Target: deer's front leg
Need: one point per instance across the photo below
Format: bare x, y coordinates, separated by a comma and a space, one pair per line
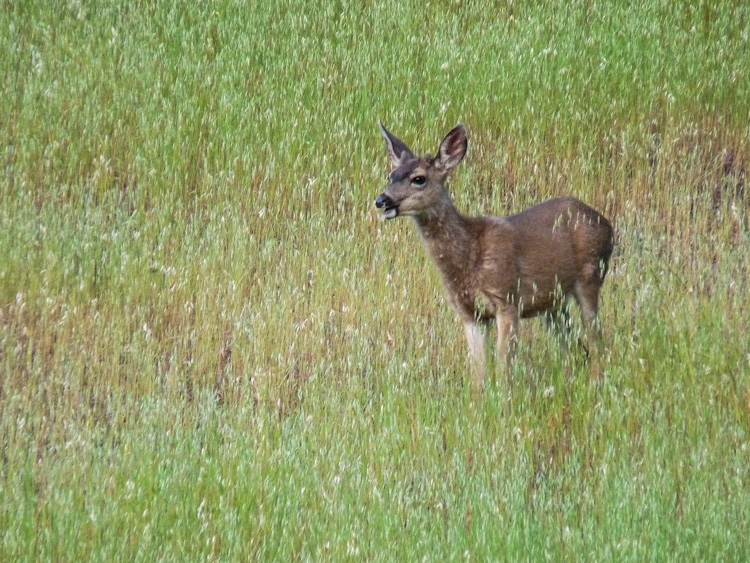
507, 335
475, 337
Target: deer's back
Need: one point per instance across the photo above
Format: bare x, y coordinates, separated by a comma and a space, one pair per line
526, 256
566, 225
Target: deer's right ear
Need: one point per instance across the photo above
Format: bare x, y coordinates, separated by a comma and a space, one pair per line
397, 149
453, 148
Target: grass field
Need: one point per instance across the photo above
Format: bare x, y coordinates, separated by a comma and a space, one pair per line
212, 349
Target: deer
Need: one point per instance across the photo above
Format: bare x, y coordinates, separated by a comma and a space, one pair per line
500, 269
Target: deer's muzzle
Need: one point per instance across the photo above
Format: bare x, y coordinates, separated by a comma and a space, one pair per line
389, 207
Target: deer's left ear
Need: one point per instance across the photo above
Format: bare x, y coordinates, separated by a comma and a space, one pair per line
397, 149
453, 148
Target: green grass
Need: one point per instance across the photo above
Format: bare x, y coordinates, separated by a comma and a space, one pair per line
210, 347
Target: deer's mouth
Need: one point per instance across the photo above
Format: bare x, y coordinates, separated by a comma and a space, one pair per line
389, 207
389, 213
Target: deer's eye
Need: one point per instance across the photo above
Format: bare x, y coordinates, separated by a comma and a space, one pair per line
419, 180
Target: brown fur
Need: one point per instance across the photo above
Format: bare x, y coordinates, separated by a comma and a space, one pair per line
501, 268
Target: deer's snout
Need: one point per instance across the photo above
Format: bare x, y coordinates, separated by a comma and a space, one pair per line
383, 201
389, 207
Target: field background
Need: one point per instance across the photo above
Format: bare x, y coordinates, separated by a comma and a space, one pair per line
211, 348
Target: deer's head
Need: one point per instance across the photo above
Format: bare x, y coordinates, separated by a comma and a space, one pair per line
417, 182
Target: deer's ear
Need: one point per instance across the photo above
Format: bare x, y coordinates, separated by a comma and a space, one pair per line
397, 149
453, 148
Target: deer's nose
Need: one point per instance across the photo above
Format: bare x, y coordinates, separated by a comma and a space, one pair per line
383, 201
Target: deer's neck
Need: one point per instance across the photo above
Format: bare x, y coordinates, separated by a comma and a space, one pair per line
447, 238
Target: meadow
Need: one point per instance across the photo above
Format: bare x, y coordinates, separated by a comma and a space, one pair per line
212, 349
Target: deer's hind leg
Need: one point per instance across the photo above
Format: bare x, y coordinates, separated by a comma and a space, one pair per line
587, 295
558, 324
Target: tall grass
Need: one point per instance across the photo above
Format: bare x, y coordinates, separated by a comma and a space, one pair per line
211, 348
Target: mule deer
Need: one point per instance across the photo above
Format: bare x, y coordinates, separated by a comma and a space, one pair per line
501, 268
